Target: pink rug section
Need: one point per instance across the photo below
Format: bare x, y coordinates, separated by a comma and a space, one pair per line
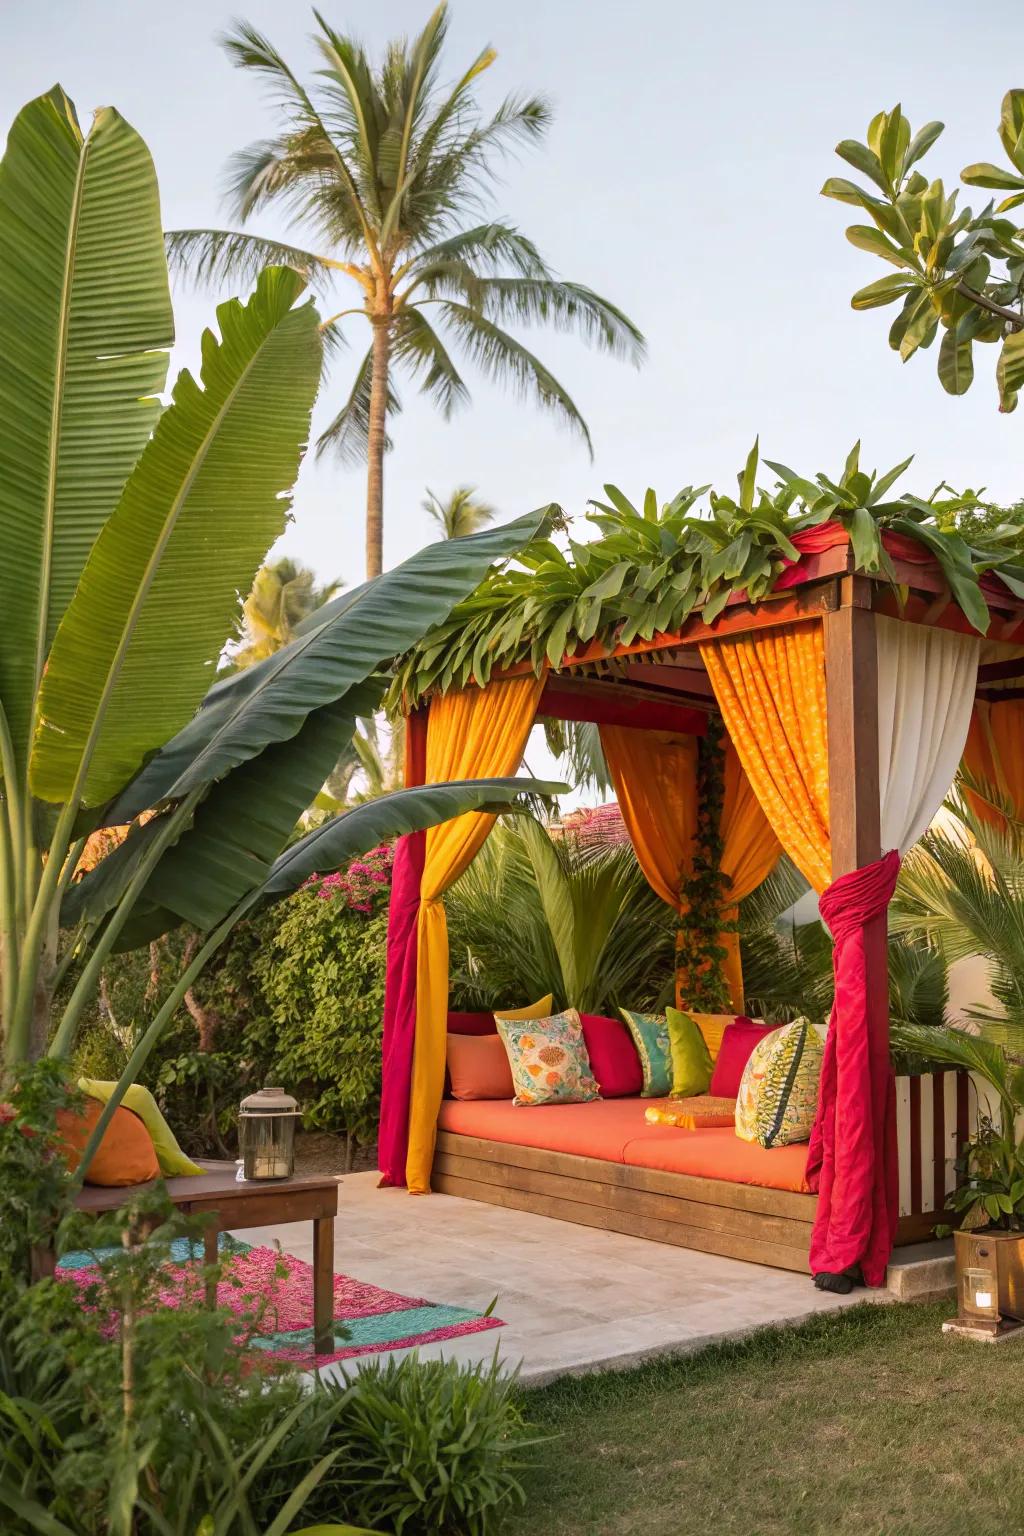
379, 1320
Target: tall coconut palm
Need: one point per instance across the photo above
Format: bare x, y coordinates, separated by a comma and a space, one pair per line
283, 594
383, 168
463, 512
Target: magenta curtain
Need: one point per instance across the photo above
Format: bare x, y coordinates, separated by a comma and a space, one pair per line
852, 1159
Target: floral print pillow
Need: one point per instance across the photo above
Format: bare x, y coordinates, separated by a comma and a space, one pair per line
549, 1059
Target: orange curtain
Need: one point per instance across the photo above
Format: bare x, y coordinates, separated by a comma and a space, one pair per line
480, 733
654, 774
995, 753
655, 778
770, 687
749, 854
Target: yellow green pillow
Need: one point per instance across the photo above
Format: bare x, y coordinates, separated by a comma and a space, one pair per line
541, 1010
173, 1161
691, 1059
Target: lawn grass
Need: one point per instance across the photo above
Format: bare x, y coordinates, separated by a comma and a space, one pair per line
864, 1421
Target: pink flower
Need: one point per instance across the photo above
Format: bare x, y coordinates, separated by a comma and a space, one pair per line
7, 1113
28, 1131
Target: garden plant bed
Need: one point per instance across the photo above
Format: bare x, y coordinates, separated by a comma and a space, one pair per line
848, 1423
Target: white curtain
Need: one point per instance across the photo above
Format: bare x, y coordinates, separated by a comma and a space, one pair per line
926, 683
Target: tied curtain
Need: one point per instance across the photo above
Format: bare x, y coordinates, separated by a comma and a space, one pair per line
473, 734
655, 778
771, 688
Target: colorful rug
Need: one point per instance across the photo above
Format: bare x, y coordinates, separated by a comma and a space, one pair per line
368, 1320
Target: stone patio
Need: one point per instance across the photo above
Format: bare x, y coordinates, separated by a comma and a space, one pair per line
573, 1298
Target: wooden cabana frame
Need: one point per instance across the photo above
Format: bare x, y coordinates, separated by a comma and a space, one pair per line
663, 683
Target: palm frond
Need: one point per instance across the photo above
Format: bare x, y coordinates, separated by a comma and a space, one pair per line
577, 746
507, 361
295, 168
565, 307
348, 434
488, 248
216, 257
415, 343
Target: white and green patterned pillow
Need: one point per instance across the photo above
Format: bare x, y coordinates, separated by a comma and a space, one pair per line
778, 1096
549, 1059
653, 1046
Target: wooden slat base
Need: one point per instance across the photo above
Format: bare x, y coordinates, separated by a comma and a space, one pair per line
739, 1221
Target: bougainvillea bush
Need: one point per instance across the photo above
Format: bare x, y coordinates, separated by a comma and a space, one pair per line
297, 994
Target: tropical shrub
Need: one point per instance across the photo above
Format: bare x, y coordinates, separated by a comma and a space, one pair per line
34, 1181
535, 914
425, 1449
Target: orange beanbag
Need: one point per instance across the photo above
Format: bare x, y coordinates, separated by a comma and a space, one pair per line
126, 1154
478, 1067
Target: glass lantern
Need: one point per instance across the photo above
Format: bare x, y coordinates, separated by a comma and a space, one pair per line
979, 1295
266, 1134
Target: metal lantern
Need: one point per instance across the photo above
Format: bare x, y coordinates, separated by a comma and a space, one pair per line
990, 1284
266, 1133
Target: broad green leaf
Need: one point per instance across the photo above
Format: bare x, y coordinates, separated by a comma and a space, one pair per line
863, 159
1010, 370
844, 191
136, 647
338, 647
884, 290
921, 143
984, 174
748, 478
886, 481
331, 846
867, 238
921, 328
866, 540
85, 321
956, 363
556, 902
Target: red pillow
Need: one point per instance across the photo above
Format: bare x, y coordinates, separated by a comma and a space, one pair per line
472, 1024
478, 1067
613, 1057
736, 1049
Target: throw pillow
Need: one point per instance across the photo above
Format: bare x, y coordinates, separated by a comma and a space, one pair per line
478, 1067
124, 1156
548, 1059
538, 1010
472, 1024
738, 1041
712, 1026
173, 1161
778, 1096
650, 1036
691, 1059
613, 1058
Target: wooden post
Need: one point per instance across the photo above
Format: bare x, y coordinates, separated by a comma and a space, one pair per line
851, 674
323, 1285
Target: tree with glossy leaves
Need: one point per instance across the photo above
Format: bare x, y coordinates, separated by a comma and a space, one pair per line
383, 168
460, 513
958, 273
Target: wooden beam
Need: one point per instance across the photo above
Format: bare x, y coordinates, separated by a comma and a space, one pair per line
851, 674
996, 671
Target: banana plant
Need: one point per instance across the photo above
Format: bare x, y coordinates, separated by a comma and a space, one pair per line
954, 270
127, 531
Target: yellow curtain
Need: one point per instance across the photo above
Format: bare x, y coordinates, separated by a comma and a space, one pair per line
654, 774
750, 852
995, 752
479, 733
770, 687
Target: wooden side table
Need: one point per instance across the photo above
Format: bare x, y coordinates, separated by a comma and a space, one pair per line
216, 1193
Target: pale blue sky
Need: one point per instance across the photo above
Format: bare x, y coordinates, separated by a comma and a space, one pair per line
680, 178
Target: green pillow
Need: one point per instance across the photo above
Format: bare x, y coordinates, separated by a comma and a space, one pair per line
650, 1036
174, 1163
691, 1059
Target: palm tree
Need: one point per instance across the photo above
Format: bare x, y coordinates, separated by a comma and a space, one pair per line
383, 168
283, 594
462, 513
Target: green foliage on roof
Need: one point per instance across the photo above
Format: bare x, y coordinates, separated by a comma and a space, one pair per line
650, 567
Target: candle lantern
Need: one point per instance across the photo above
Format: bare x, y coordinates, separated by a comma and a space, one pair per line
266, 1133
989, 1284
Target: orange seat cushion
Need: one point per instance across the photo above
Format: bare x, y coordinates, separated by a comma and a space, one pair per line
478, 1067
125, 1155
615, 1131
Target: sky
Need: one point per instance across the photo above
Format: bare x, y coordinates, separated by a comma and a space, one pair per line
680, 179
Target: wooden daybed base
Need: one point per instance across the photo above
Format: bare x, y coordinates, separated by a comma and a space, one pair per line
740, 1221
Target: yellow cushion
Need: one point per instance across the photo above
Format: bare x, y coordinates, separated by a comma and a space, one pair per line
541, 1010
712, 1026
173, 1161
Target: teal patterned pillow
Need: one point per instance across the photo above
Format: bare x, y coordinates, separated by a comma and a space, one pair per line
650, 1036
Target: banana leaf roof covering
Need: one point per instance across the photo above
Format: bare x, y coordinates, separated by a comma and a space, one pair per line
651, 568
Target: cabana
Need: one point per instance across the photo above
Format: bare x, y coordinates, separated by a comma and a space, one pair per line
847, 701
